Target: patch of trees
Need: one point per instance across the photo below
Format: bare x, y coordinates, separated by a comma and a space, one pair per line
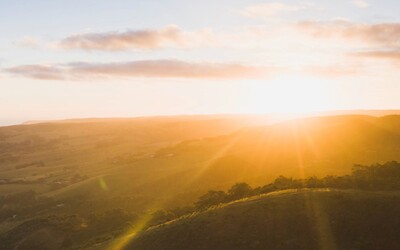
374, 177
237, 191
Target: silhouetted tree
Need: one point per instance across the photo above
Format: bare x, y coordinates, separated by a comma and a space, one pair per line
285, 183
211, 198
239, 190
161, 216
313, 182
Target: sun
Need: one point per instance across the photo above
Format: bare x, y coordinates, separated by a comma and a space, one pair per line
295, 94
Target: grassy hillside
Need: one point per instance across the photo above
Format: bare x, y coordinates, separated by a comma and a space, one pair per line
300, 148
49, 156
97, 161
91, 167
63, 159
71, 177
298, 219
119, 229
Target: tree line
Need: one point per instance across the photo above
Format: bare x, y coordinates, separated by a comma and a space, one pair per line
373, 177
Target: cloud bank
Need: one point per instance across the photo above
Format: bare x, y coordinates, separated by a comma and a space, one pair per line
383, 34
391, 55
140, 69
146, 39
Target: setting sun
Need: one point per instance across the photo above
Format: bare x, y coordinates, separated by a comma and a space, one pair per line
254, 57
288, 94
193, 125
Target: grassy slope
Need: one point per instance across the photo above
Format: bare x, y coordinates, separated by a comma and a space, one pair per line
129, 165
121, 150
314, 146
306, 219
94, 148
127, 157
106, 151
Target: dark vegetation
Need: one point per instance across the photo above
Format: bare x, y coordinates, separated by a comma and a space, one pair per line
356, 211
375, 177
93, 228
298, 219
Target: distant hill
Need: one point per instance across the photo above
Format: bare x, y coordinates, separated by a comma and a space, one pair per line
307, 219
259, 118
95, 147
195, 153
369, 112
300, 148
173, 118
311, 146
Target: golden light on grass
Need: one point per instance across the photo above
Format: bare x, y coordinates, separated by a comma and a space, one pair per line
319, 220
103, 184
315, 212
130, 235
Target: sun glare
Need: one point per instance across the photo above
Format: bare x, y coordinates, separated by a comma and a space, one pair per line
295, 94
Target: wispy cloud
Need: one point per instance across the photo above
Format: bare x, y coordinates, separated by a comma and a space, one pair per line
392, 55
80, 71
44, 72
28, 42
145, 39
307, 33
360, 3
141, 69
384, 34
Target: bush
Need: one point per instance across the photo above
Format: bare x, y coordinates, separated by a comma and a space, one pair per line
211, 198
239, 190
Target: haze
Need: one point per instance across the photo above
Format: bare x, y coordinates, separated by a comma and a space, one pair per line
192, 125
69, 59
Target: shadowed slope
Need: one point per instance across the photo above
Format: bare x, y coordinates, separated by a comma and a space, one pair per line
308, 219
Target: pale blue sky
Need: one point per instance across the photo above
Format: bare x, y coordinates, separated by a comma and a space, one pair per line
32, 32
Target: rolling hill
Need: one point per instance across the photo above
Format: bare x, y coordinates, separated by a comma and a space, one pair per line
43, 155
313, 146
139, 159
60, 178
293, 219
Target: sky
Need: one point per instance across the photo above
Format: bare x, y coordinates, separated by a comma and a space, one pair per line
73, 59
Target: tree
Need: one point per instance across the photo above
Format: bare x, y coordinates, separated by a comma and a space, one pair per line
285, 183
313, 182
239, 191
161, 216
211, 198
